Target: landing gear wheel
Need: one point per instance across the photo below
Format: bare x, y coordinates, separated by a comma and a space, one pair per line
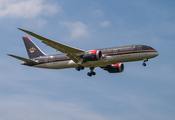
79, 68
144, 60
89, 74
144, 64
93, 73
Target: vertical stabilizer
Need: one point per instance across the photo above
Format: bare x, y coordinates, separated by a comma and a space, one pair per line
32, 50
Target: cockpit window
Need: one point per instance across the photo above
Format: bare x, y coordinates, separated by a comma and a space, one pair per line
150, 48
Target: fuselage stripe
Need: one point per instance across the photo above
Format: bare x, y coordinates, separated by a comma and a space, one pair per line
105, 54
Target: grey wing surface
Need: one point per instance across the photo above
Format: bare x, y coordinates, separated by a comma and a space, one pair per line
71, 52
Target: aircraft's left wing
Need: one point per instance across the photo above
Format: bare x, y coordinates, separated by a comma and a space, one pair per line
72, 53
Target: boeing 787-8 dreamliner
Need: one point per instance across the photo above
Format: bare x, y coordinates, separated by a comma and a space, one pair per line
109, 59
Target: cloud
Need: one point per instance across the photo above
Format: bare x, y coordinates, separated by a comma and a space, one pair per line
77, 29
33, 23
26, 8
105, 24
97, 13
22, 107
41, 22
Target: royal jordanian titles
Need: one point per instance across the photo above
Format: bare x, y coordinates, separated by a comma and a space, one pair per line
109, 59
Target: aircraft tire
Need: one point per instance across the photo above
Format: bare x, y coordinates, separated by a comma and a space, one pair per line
89, 74
78, 68
93, 73
144, 64
81, 67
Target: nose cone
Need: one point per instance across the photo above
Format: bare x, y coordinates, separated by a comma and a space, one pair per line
156, 53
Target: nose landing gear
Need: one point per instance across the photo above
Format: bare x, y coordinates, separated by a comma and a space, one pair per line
144, 60
144, 64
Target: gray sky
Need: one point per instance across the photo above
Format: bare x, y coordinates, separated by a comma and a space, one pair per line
138, 93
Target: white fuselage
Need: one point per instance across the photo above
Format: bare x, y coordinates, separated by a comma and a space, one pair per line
106, 60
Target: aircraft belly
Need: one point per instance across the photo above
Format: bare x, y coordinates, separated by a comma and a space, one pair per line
103, 62
56, 65
95, 63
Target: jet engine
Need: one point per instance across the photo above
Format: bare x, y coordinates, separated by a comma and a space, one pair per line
92, 55
115, 68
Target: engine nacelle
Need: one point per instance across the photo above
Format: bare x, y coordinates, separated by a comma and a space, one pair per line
115, 68
92, 55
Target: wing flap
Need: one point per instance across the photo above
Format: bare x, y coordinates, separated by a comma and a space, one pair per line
21, 58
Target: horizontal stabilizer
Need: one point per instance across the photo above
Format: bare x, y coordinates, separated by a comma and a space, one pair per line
21, 58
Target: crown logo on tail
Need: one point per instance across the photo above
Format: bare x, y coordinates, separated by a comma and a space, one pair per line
32, 50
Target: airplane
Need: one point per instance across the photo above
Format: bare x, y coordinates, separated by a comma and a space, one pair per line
109, 59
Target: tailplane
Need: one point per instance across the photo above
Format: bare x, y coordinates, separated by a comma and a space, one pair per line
32, 49
21, 58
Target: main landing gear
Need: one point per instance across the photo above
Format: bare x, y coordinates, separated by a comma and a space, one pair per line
91, 72
144, 60
79, 68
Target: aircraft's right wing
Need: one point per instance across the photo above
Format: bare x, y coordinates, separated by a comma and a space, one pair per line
72, 53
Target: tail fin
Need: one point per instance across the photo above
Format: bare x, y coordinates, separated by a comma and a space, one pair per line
32, 50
